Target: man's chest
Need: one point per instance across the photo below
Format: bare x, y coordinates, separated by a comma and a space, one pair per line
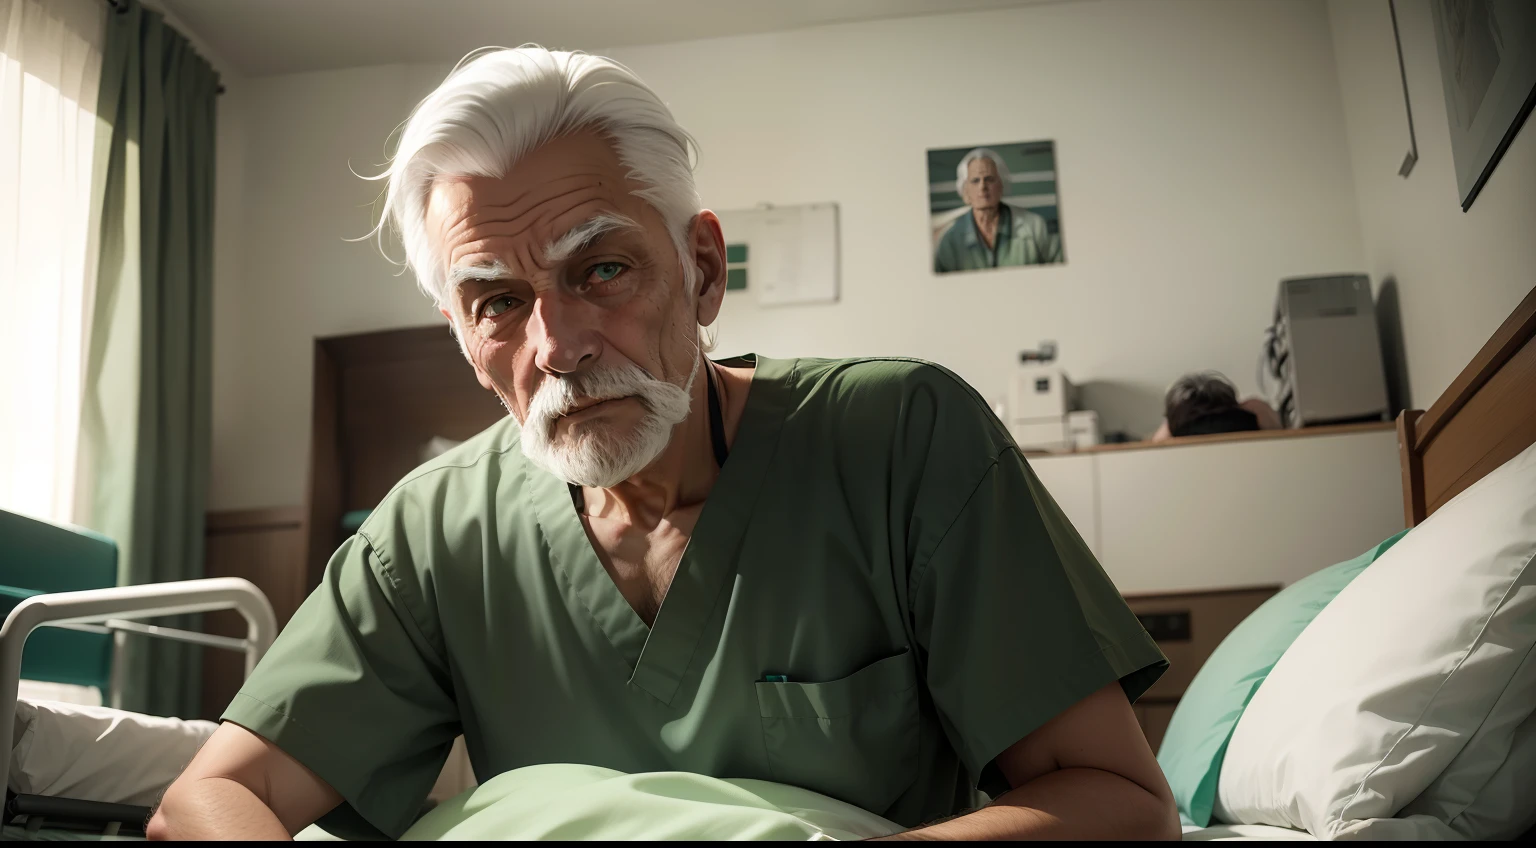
798, 672
642, 561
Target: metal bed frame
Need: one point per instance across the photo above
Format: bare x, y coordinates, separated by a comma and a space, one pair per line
116, 611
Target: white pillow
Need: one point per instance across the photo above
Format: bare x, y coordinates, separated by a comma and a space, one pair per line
100, 754
1460, 806
1421, 667
1501, 807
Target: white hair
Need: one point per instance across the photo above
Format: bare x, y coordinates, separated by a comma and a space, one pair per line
962, 171
500, 104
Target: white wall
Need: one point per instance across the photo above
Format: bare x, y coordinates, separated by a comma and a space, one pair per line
1201, 157
1458, 275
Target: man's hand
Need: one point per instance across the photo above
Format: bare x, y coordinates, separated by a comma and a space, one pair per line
1088, 773
240, 786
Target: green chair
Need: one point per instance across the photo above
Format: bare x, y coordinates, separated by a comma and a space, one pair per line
38, 558
68, 637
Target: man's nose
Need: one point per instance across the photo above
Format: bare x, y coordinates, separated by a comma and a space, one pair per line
562, 334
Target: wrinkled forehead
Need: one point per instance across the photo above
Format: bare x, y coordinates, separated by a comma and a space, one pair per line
546, 194
981, 166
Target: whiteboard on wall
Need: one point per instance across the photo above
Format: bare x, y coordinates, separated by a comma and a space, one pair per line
791, 252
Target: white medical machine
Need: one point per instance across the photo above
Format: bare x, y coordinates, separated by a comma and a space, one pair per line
1041, 400
1325, 352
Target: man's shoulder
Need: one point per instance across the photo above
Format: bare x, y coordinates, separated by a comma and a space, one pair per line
488, 447
954, 231
954, 238
458, 484
895, 376
896, 393
1025, 220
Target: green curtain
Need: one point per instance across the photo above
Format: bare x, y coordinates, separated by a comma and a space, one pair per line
148, 386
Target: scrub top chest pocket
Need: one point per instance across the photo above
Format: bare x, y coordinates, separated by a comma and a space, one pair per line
854, 738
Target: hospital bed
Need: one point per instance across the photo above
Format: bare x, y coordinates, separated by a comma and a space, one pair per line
1486, 418
112, 611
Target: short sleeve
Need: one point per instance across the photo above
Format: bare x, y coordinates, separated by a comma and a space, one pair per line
355, 692
1017, 622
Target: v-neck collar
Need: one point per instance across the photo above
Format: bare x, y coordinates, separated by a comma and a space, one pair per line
658, 656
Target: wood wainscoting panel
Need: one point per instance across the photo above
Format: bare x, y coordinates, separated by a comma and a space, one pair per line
268, 548
1205, 618
1154, 718
1187, 626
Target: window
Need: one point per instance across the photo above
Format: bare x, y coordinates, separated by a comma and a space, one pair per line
50, 70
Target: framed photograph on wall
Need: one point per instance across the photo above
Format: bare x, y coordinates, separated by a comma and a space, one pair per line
1488, 66
994, 206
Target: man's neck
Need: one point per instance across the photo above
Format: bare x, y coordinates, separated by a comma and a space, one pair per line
684, 473
986, 223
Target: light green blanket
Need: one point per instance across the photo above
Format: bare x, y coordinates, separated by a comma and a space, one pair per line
588, 802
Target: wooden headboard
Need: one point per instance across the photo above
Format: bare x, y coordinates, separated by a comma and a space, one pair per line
1487, 416
378, 398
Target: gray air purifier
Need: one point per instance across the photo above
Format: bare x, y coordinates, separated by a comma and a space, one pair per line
1324, 351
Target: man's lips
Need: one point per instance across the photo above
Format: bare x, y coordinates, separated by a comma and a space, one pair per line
589, 404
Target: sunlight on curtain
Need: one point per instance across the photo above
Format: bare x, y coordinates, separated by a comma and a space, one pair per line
50, 71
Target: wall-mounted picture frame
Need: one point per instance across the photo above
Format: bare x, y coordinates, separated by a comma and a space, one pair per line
1488, 67
782, 255
994, 206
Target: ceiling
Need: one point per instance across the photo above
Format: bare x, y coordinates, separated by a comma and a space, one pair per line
286, 36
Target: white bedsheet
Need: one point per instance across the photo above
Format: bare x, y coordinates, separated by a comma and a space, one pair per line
1245, 833
64, 693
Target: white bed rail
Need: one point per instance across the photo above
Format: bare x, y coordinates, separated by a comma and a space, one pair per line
114, 610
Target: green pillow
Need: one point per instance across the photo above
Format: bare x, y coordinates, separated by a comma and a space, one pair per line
1197, 736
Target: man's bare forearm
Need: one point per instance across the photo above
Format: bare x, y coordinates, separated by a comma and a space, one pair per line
1077, 803
214, 808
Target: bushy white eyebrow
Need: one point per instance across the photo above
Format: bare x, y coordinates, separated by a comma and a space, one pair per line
485, 271
584, 234
562, 248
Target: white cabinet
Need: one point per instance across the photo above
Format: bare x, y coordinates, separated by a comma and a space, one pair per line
1230, 513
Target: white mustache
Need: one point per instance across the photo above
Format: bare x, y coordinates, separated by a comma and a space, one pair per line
560, 395
602, 458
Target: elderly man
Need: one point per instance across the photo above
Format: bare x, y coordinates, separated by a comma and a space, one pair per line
834, 574
994, 234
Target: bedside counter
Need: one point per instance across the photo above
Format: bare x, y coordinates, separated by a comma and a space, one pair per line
1187, 626
1235, 509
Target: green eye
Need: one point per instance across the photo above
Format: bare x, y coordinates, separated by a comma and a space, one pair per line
606, 271
498, 304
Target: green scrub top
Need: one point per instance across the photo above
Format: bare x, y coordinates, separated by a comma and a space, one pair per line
879, 597
1023, 238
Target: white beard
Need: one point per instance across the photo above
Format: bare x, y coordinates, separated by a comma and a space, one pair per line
602, 455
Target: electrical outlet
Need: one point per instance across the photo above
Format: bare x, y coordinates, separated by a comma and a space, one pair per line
1166, 626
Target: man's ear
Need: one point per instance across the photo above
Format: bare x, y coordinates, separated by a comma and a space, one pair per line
707, 243
453, 328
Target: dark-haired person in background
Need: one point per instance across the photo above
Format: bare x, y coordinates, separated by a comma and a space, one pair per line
1206, 402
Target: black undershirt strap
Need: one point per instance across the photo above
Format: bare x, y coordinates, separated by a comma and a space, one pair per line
716, 436
716, 419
